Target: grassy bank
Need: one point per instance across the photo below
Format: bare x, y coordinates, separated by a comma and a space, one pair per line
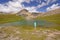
52, 18
5, 18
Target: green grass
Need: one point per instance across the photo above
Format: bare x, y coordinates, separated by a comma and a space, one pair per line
5, 18
26, 28
52, 18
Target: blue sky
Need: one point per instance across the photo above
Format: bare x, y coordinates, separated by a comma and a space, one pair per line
31, 5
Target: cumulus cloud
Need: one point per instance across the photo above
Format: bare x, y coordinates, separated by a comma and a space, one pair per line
41, 5
11, 6
34, 8
50, 1
28, 1
15, 6
31, 9
4, 8
53, 7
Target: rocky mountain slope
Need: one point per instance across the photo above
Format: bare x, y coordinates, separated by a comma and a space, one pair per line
26, 13
56, 11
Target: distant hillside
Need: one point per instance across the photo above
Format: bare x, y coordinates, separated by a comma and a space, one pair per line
28, 15
56, 11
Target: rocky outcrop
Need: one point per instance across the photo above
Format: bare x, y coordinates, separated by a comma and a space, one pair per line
17, 33
28, 15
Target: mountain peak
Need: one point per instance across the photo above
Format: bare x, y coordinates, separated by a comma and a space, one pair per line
24, 10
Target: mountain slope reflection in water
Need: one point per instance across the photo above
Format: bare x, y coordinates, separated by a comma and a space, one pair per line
41, 23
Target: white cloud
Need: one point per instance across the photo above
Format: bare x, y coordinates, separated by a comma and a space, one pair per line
4, 8
53, 7
50, 1
12, 6
28, 1
41, 5
54, 0
15, 6
31, 9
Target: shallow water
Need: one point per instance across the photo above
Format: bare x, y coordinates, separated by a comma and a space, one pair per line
41, 23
